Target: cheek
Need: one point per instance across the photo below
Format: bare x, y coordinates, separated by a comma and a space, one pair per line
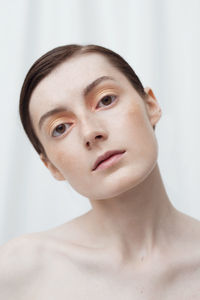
136, 114
72, 166
142, 135
137, 134
138, 122
75, 170
131, 121
67, 162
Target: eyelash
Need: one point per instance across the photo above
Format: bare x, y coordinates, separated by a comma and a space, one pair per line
69, 123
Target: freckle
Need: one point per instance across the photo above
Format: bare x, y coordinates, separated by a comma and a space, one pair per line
142, 258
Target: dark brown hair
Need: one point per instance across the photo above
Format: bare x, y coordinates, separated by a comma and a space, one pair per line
47, 62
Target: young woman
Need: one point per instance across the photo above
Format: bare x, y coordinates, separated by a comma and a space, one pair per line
93, 124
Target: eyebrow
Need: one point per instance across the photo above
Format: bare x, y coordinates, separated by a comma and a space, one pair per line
86, 91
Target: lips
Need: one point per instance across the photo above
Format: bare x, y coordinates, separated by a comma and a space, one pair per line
105, 156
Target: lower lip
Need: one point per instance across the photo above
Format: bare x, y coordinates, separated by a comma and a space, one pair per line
109, 162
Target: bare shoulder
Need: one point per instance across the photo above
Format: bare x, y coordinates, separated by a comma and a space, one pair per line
18, 250
28, 252
25, 256
185, 249
30, 261
191, 227
188, 239
20, 263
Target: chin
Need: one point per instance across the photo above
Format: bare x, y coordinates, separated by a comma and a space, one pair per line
123, 181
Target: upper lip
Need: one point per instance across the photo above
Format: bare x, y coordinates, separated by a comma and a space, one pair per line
105, 156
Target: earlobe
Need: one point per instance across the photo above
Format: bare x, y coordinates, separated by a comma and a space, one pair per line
152, 106
54, 171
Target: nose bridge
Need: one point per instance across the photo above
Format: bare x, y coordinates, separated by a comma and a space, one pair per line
89, 123
91, 128
89, 120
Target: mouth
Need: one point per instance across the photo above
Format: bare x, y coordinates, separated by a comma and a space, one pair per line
107, 159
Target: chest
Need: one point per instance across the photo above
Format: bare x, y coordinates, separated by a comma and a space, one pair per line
66, 281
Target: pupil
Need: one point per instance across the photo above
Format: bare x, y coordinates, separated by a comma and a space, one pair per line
60, 128
108, 100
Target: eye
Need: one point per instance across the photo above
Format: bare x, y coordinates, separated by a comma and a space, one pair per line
59, 130
108, 100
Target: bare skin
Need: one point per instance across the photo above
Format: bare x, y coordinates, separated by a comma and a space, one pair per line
57, 264
133, 244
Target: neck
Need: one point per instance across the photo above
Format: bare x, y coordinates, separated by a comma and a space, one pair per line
137, 221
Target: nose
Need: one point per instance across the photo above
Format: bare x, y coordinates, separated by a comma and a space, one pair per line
94, 138
93, 132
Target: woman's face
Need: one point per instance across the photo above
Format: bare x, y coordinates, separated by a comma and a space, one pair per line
85, 123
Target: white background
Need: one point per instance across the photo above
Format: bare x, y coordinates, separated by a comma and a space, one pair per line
159, 39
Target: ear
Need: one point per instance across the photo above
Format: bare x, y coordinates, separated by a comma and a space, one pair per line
54, 171
152, 107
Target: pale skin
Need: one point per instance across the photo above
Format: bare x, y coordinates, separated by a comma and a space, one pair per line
133, 244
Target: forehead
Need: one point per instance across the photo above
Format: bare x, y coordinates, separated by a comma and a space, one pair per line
75, 73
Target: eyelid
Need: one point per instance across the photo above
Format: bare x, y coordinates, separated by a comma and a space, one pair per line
54, 124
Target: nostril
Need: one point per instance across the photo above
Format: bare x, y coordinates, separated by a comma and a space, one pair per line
98, 136
88, 143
